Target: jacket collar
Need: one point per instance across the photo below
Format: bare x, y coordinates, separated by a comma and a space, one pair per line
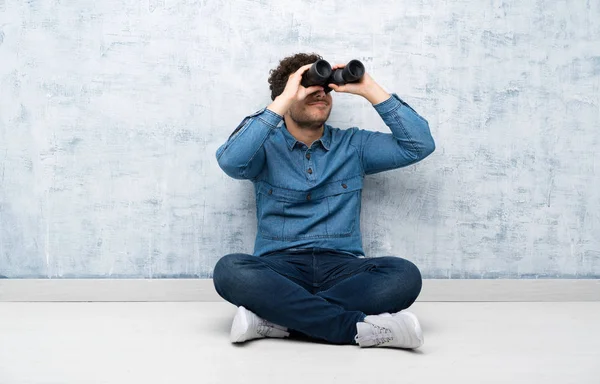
291, 140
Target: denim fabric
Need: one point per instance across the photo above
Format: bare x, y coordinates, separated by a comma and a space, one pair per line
317, 293
311, 197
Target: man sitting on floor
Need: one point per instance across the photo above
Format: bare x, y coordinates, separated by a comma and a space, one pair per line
308, 275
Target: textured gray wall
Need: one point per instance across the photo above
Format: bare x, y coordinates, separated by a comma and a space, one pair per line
111, 112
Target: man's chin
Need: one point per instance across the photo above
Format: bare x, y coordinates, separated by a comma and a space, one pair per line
311, 124
321, 117
318, 121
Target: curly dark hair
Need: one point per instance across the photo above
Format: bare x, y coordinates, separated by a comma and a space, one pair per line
287, 66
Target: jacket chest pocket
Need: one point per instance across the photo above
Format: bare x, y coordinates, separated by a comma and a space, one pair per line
332, 210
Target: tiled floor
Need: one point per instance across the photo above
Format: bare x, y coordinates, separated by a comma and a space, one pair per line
79, 343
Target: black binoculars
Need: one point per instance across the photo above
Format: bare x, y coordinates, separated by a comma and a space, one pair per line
320, 73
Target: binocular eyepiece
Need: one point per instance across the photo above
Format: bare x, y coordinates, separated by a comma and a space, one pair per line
320, 73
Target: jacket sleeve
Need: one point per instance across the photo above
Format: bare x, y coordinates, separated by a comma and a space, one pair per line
409, 142
243, 155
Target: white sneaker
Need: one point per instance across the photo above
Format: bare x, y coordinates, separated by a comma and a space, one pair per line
247, 326
400, 330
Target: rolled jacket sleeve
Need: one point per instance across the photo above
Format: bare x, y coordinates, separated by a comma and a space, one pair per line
243, 155
409, 142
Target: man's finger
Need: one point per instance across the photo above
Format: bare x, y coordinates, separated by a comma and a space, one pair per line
313, 89
303, 69
336, 88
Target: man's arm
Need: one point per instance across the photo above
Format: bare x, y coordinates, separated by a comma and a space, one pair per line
243, 155
410, 140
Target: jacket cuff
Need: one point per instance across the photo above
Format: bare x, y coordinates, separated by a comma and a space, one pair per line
269, 117
388, 105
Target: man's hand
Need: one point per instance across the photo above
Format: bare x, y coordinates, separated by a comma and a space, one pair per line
366, 87
293, 92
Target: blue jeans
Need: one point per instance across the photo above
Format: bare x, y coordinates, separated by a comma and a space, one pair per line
317, 293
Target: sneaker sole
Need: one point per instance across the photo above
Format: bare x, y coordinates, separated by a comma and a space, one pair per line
239, 327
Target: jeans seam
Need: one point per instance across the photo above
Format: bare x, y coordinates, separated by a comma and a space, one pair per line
315, 271
279, 272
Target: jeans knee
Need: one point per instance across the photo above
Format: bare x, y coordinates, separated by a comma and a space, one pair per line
226, 272
412, 276
407, 282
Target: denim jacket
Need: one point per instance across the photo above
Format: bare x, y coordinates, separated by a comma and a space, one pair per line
311, 197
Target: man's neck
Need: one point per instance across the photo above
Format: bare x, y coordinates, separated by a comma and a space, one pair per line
304, 133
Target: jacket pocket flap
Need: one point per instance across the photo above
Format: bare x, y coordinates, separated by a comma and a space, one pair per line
331, 189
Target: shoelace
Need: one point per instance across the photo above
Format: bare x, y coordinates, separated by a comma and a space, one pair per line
264, 328
381, 335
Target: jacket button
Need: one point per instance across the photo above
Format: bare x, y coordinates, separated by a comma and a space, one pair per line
309, 171
308, 197
270, 191
308, 156
344, 186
